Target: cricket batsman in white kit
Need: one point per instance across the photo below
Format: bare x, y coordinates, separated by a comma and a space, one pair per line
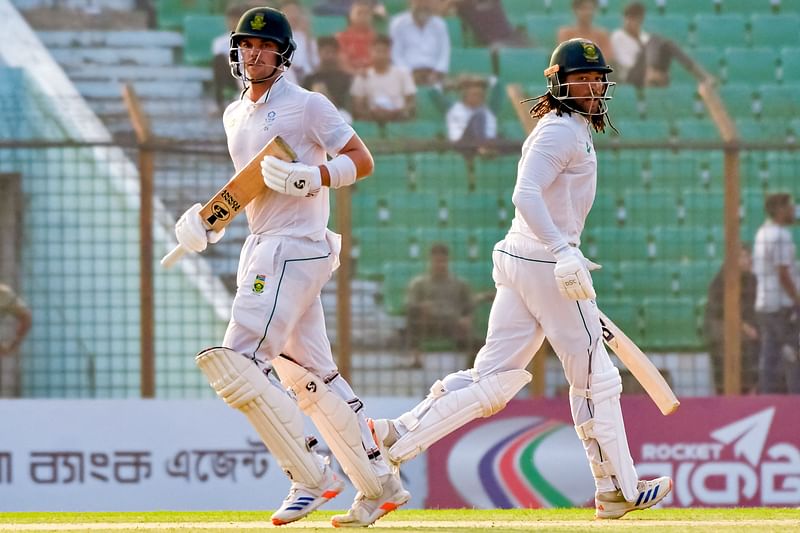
544, 289
277, 319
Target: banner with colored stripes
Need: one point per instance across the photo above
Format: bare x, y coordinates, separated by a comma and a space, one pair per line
719, 451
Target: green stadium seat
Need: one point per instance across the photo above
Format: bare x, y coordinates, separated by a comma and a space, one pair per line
625, 103
415, 129
471, 60
440, 173
624, 311
512, 129
477, 273
790, 63
703, 208
474, 210
695, 276
674, 101
322, 25
779, 101
775, 30
522, 64
740, 99
608, 21
379, 245
783, 170
396, 277
787, 6
644, 130
519, 9
701, 242
495, 174
456, 32
393, 7
391, 175
677, 170
671, 324
747, 7
720, 30
459, 240
653, 208
430, 104
710, 57
692, 129
199, 31
367, 129
542, 29
487, 238
689, 7
414, 209
756, 130
613, 243
605, 209
755, 64
620, 170
640, 279
170, 13
674, 26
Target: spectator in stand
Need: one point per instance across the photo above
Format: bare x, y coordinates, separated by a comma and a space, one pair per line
225, 85
714, 324
439, 306
420, 42
356, 41
488, 22
15, 320
471, 125
343, 7
777, 298
584, 28
306, 57
330, 79
385, 92
643, 59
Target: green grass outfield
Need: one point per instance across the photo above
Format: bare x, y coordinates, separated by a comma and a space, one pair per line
440, 521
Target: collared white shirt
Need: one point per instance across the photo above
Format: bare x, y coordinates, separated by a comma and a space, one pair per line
417, 47
556, 181
626, 49
385, 90
313, 127
773, 247
458, 117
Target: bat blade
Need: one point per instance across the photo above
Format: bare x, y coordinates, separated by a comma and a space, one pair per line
231, 199
640, 366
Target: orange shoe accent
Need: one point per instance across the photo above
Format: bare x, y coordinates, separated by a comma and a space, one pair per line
389, 506
330, 494
278, 522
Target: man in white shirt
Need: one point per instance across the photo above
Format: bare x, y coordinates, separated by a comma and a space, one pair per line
420, 42
544, 289
471, 125
777, 298
277, 321
385, 92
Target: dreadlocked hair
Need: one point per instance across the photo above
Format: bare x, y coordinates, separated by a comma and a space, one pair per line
547, 102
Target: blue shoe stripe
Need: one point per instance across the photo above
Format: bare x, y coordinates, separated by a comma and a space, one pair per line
655, 491
305, 499
641, 495
647, 498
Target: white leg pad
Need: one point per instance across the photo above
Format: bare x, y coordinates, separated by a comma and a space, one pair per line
335, 420
608, 429
272, 412
449, 410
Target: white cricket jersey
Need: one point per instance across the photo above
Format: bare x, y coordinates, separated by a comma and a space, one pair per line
556, 181
773, 247
312, 126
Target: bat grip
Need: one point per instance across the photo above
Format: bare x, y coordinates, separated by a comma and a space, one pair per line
171, 258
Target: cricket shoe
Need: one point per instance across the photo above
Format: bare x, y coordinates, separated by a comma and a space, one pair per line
612, 504
384, 434
365, 511
302, 499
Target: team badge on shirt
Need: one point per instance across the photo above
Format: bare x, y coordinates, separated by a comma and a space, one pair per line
258, 284
271, 116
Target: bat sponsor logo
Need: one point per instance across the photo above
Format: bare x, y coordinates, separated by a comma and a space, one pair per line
231, 201
218, 212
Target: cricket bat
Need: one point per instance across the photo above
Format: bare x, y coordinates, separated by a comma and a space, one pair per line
640, 366
231, 199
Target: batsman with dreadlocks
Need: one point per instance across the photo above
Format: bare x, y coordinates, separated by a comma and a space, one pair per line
277, 320
544, 289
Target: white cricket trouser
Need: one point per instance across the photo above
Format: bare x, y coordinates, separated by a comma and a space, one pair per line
277, 307
527, 308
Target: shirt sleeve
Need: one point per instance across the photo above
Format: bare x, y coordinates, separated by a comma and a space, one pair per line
396, 34
784, 248
443, 61
325, 125
491, 125
546, 157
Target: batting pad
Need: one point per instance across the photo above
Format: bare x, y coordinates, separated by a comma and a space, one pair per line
449, 410
335, 420
275, 416
608, 429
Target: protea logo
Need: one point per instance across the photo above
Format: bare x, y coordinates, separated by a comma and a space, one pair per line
527, 462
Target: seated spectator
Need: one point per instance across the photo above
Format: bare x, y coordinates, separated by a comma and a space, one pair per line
15, 320
356, 41
305, 59
584, 27
714, 325
330, 79
471, 125
385, 92
420, 42
488, 22
225, 86
439, 306
644, 59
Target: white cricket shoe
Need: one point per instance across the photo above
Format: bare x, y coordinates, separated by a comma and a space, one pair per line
365, 511
384, 434
613, 504
302, 499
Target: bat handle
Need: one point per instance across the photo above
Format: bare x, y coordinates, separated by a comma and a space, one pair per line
171, 258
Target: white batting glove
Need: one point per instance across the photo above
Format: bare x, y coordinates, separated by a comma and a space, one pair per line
192, 234
294, 179
572, 274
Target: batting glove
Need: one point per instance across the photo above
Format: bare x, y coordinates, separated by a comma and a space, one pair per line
572, 274
192, 234
294, 179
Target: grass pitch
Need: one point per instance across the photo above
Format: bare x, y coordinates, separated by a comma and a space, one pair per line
439, 521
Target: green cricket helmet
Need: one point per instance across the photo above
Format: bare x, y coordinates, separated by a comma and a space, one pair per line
265, 23
576, 55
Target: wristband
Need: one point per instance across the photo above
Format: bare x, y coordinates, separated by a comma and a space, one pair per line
342, 170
